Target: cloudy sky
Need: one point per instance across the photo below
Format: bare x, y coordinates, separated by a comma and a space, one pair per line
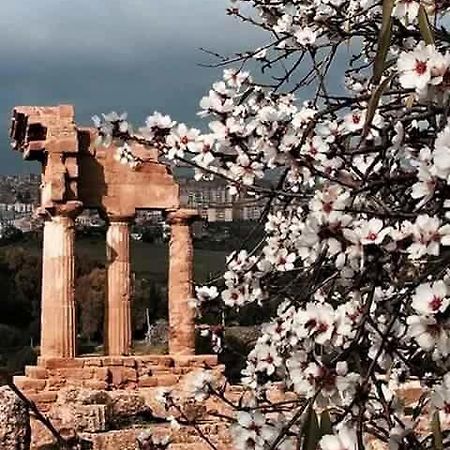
102, 55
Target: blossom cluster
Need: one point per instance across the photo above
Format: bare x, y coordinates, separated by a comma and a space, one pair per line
354, 253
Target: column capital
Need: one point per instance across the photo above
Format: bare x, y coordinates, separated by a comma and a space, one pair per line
182, 216
116, 217
70, 209
119, 218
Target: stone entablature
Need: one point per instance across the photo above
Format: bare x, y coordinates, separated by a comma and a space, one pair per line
75, 168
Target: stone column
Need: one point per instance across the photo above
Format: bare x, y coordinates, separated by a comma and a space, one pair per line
181, 314
58, 324
118, 307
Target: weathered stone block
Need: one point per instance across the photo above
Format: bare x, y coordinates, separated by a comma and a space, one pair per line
67, 144
182, 370
122, 375
112, 361
196, 360
161, 370
143, 371
56, 383
29, 384
43, 397
101, 374
88, 362
90, 418
127, 408
15, 432
129, 362
71, 164
96, 384
167, 380
147, 381
36, 372
130, 374
115, 439
60, 363
75, 374
156, 360
116, 376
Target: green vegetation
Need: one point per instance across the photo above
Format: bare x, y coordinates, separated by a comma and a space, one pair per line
147, 259
20, 284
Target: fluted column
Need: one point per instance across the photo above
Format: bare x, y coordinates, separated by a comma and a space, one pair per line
118, 308
181, 314
58, 323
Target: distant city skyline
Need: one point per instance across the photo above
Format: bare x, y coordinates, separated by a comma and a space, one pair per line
132, 55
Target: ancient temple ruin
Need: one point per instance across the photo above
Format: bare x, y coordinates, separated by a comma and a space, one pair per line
77, 174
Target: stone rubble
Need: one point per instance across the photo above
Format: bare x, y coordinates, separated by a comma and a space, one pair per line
15, 432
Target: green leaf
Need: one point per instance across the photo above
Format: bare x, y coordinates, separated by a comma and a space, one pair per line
438, 441
384, 41
425, 26
410, 100
373, 105
325, 424
310, 431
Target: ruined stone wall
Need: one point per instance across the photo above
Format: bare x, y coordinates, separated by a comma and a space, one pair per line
108, 401
41, 383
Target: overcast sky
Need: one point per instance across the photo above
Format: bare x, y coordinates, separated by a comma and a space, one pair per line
102, 55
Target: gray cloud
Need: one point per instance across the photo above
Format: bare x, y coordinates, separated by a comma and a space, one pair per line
135, 55
116, 28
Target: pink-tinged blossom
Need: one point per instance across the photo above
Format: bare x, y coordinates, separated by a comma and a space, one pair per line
216, 103
329, 131
206, 293
316, 148
283, 260
331, 199
431, 298
268, 359
199, 383
245, 169
180, 140
204, 148
234, 297
430, 334
428, 235
303, 116
316, 322
415, 66
373, 232
355, 121
252, 431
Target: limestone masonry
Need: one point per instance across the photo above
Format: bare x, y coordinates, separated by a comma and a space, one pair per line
77, 174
